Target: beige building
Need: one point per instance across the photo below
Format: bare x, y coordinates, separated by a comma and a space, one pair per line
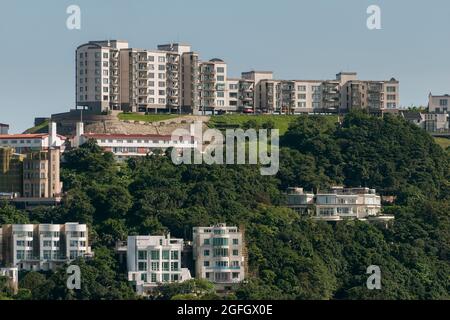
112, 76
41, 175
219, 254
343, 94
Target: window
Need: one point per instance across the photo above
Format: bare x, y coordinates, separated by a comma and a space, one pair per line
174, 277
142, 255
206, 253
302, 96
174, 266
20, 254
155, 266
144, 277
235, 252
443, 102
220, 69
166, 277
220, 94
301, 88
165, 254
161, 59
155, 255
220, 252
142, 266
220, 78
153, 277
235, 242
174, 255
47, 254
206, 263
220, 241
105, 55
161, 67
206, 242
47, 243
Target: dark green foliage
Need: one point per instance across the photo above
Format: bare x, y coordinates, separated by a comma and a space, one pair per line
290, 257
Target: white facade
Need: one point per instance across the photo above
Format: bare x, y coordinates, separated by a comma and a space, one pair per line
124, 146
439, 104
219, 254
153, 260
23, 143
43, 246
12, 274
336, 204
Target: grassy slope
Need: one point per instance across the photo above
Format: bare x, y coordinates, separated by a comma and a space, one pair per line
146, 117
281, 121
443, 142
42, 128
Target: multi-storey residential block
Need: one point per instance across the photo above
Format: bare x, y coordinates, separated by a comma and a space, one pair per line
23, 143
43, 246
112, 76
4, 128
213, 89
338, 203
343, 94
153, 260
439, 104
219, 254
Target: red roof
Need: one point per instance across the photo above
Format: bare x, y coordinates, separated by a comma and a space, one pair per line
28, 136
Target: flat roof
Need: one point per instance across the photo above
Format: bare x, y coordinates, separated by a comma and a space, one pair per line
127, 136
27, 136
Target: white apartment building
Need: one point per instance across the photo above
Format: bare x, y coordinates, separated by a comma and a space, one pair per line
439, 104
213, 89
220, 255
338, 203
154, 260
24, 143
112, 76
125, 146
44, 246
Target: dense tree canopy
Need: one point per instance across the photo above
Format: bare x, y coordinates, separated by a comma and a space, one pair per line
290, 257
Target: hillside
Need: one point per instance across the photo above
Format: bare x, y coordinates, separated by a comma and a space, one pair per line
290, 257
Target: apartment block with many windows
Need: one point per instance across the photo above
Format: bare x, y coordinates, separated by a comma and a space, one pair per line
113, 76
43, 246
220, 254
152, 260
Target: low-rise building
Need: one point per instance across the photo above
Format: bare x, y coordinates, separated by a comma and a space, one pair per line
125, 146
338, 203
43, 246
220, 254
24, 143
154, 260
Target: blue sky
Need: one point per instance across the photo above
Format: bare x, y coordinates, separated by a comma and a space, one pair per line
297, 39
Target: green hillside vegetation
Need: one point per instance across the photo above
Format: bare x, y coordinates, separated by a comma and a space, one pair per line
290, 257
443, 142
146, 117
280, 122
41, 128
